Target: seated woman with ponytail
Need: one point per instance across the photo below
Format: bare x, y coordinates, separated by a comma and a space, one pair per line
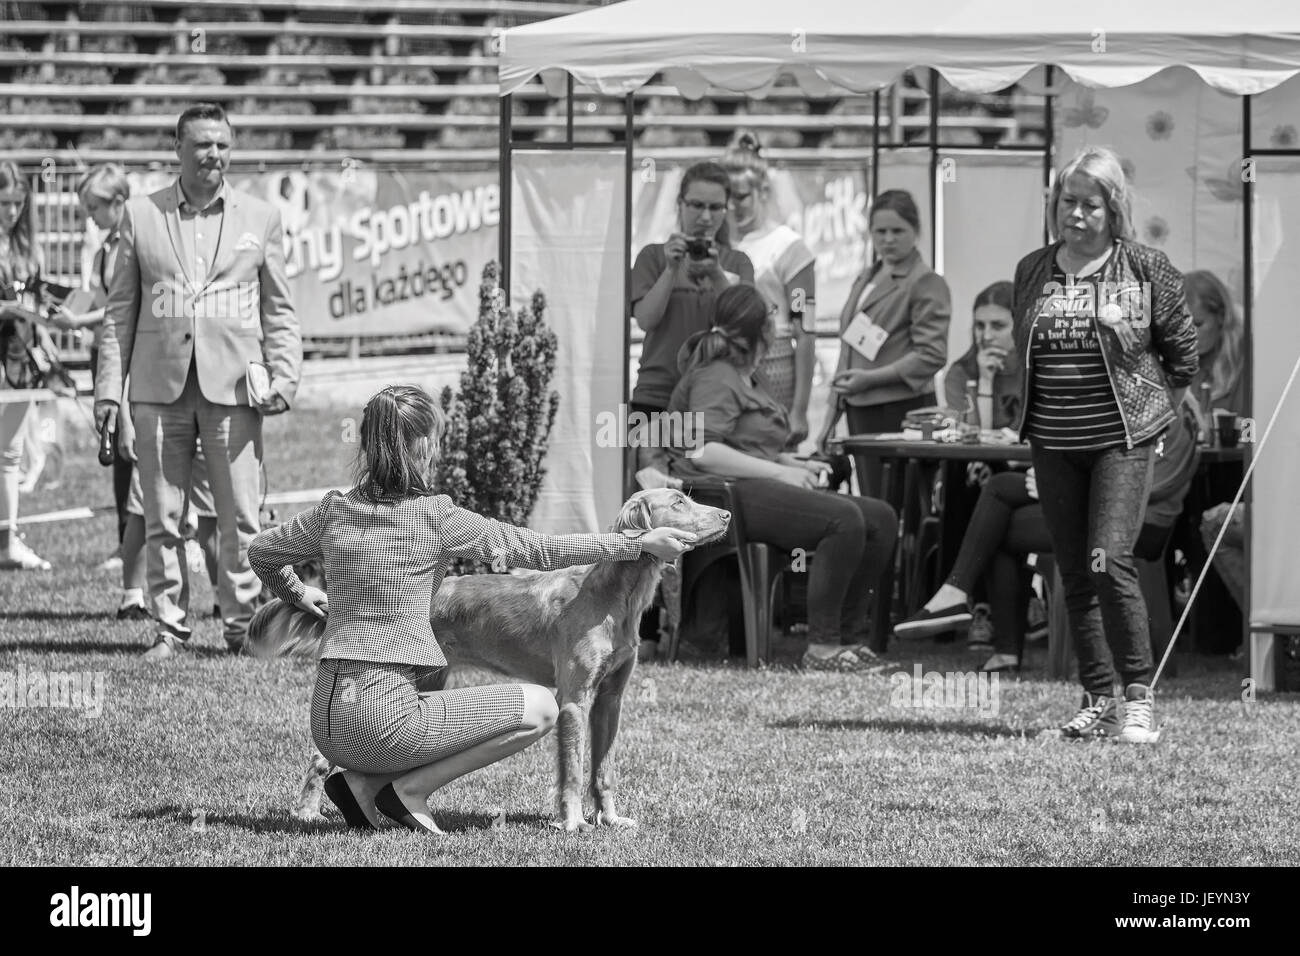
742, 432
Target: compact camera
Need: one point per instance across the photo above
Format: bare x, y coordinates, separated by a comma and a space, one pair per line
698, 248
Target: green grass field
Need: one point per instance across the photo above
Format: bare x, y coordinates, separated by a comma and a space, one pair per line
721, 765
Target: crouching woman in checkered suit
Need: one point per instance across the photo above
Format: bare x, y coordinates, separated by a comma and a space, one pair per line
385, 546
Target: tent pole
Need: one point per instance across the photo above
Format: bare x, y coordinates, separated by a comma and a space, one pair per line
1049, 146
629, 108
934, 165
1248, 367
504, 173
568, 109
874, 185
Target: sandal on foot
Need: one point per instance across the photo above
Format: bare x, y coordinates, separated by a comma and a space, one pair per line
341, 795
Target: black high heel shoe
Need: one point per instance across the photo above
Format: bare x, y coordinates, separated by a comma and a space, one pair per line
391, 806
340, 794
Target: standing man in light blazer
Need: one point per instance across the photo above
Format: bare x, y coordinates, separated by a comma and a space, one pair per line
894, 331
199, 293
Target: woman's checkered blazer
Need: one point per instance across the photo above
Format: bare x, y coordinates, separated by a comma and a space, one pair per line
383, 563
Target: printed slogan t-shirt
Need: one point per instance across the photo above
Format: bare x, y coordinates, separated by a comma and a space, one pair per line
1072, 405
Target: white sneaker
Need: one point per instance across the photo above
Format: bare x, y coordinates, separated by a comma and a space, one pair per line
1138, 716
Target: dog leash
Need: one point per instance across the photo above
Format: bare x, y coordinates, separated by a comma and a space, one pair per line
1254, 460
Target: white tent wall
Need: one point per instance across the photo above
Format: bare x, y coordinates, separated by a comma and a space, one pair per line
1180, 143
1275, 528
991, 216
567, 240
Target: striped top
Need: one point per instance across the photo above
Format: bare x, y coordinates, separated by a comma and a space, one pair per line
1072, 402
384, 562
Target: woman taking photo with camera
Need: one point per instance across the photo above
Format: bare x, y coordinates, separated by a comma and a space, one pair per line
894, 327
1110, 349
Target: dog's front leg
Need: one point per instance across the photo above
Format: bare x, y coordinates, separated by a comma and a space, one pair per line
604, 727
570, 733
307, 807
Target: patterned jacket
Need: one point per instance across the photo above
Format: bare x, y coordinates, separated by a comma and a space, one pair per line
1150, 291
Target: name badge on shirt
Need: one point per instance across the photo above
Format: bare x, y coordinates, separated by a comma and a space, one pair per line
864, 336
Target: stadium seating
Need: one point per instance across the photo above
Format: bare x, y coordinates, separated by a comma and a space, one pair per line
302, 76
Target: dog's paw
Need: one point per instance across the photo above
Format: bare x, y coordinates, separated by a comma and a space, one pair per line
578, 825
307, 815
614, 820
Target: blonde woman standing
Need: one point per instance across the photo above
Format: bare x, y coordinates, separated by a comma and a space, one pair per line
784, 272
1109, 349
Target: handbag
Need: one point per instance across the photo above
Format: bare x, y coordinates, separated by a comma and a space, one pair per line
25, 365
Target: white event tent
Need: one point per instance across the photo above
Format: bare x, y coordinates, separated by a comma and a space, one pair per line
566, 207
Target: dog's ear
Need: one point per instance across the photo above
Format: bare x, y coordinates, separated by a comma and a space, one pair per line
635, 516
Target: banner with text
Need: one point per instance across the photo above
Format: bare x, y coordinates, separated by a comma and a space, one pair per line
373, 253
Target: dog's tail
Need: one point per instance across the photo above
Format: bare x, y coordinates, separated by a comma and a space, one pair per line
280, 630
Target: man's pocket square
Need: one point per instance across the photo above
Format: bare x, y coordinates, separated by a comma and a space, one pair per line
248, 241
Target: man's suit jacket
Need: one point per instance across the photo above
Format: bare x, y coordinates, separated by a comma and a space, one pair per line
912, 304
158, 319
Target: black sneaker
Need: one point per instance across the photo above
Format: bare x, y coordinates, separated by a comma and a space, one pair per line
133, 612
924, 623
1097, 717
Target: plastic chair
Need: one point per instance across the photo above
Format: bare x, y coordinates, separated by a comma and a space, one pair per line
760, 570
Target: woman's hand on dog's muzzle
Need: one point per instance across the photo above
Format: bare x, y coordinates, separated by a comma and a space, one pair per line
667, 544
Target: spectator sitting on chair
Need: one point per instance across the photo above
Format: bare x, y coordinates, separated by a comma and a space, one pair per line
1219, 336
991, 361
742, 435
199, 248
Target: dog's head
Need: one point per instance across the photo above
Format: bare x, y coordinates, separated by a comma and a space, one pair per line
670, 508
311, 572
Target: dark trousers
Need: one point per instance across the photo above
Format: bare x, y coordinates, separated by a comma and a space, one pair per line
879, 418
121, 466
1093, 502
1006, 525
854, 539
